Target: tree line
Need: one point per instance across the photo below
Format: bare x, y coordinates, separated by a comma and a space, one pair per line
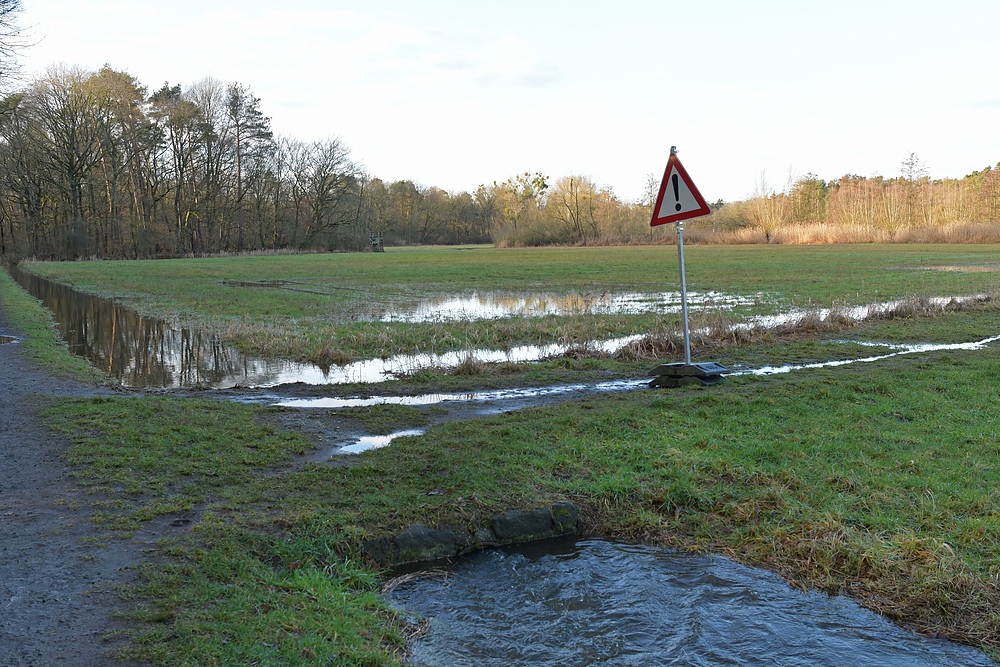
92, 164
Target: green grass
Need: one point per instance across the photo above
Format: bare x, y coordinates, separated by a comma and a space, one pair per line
158, 457
41, 343
876, 480
246, 598
322, 316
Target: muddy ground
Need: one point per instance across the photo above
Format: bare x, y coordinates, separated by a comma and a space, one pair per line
57, 587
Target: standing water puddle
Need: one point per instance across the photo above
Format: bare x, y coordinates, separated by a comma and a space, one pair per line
492, 305
508, 397
506, 400
900, 351
6, 339
598, 603
364, 443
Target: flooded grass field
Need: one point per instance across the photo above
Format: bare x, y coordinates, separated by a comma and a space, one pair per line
139, 350
850, 452
330, 308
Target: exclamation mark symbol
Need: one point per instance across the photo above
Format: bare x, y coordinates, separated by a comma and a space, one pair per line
677, 192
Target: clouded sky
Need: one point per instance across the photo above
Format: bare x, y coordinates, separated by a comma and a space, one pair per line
457, 93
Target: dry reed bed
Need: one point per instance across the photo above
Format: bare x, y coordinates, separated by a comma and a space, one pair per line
820, 234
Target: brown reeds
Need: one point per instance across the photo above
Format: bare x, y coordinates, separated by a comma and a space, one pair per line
845, 233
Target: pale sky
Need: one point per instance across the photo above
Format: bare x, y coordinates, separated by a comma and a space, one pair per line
454, 94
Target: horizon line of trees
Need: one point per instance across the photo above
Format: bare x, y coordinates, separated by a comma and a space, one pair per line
94, 165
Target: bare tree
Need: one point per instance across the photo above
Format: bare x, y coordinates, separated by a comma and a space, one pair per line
573, 202
10, 38
913, 170
330, 183
65, 109
212, 138
767, 209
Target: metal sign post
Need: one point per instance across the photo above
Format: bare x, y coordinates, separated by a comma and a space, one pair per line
684, 293
677, 201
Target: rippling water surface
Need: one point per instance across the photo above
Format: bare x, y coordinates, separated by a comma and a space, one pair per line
600, 603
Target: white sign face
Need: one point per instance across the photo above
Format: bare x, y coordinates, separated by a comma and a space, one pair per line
677, 197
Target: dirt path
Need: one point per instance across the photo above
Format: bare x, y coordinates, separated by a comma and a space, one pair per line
56, 590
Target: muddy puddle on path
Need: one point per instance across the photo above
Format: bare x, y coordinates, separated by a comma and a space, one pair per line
592, 602
6, 339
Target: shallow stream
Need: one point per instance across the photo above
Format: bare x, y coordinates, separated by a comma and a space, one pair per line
592, 602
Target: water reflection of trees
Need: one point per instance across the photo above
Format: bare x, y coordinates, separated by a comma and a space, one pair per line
143, 351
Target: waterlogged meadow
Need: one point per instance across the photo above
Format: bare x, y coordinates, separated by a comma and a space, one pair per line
874, 480
334, 309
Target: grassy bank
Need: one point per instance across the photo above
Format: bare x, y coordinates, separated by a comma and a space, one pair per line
320, 307
877, 480
40, 341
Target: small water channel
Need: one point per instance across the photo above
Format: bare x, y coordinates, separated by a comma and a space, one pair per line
592, 602
509, 398
140, 351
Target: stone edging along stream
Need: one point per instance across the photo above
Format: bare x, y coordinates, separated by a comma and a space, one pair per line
420, 543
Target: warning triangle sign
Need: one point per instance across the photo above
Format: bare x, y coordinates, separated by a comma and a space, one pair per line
679, 199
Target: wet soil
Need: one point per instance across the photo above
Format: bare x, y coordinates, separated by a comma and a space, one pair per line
57, 581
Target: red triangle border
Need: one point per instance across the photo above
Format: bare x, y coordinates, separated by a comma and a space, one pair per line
703, 208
